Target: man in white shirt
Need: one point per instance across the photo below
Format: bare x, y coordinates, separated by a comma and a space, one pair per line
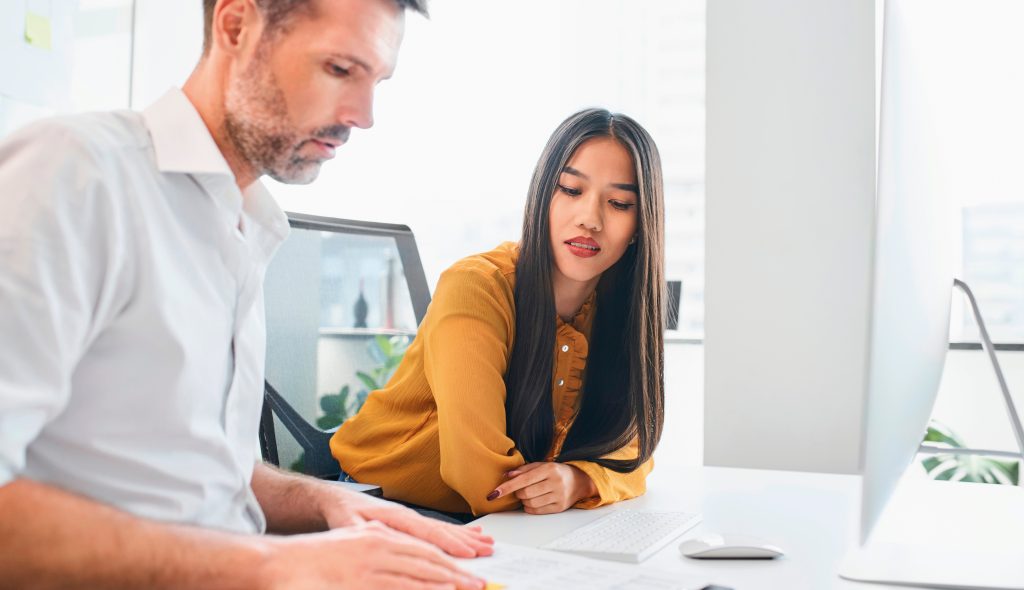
132, 254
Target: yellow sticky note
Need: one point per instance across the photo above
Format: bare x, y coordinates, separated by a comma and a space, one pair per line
494, 586
38, 31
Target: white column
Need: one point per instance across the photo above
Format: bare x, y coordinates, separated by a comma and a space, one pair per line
790, 206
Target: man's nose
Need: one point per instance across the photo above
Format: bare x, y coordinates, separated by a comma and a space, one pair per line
357, 109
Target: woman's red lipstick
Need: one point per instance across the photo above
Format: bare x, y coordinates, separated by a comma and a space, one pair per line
583, 247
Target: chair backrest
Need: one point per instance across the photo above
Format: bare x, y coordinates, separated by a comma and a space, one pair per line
343, 299
675, 293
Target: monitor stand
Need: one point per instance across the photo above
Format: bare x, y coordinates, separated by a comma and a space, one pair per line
943, 534
950, 534
1011, 410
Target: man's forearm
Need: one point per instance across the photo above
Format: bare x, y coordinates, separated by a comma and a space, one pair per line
291, 502
53, 539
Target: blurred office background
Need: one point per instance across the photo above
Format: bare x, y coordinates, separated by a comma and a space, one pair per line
481, 85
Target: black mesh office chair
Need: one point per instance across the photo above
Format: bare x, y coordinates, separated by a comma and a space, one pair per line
317, 459
315, 259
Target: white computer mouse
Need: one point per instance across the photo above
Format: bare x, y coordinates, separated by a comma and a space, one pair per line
717, 546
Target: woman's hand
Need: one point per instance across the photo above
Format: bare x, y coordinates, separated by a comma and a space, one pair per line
546, 488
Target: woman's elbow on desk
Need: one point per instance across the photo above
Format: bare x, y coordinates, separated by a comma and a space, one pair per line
470, 480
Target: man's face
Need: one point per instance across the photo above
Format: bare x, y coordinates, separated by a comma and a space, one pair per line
303, 88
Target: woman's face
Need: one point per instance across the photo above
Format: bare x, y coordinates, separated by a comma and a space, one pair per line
593, 213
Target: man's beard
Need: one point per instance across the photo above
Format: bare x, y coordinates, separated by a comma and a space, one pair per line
257, 124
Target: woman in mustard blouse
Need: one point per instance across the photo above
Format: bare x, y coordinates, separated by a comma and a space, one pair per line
535, 379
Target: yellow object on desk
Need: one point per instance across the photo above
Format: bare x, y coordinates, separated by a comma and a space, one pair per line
494, 586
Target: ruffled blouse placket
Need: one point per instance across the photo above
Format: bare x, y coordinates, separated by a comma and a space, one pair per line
571, 349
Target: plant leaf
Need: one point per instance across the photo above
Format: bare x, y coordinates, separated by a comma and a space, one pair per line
367, 380
329, 422
966, 468
384, 344
331, 403
939, 433
393, 362
1004, 472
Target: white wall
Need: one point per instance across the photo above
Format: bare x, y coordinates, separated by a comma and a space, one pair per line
168, 44
82, 69
969, 402
682, 442
790, 191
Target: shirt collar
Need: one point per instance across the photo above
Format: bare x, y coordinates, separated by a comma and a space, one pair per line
180, 138
183, 144
261, 207
583, 319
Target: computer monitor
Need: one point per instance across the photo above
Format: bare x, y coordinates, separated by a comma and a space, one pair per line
913, 265
912, 287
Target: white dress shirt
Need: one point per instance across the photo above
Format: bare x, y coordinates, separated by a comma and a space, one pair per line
132, 332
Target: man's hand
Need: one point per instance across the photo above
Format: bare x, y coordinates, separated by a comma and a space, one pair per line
364, 555
546, 488
297, 504
345, 508
47, 534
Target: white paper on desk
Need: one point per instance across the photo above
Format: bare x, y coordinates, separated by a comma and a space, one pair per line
524, 568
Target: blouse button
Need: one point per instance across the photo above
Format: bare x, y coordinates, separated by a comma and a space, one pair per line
561, 382
565, 348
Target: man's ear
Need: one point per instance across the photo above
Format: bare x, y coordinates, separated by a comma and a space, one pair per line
237, 24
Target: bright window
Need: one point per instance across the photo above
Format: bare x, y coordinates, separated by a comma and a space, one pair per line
462, 124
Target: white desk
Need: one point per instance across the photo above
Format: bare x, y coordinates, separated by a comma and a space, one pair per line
814, 517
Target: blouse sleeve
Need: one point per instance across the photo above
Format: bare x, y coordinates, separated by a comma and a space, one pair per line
467, 333
613, 486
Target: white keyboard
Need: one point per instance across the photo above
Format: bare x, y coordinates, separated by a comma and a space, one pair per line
625, 535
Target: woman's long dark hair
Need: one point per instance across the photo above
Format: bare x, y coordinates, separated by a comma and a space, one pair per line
623, 387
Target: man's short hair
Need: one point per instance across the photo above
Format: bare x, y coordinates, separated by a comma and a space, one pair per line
277, 13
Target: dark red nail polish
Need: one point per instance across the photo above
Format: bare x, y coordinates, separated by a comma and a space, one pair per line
493, 495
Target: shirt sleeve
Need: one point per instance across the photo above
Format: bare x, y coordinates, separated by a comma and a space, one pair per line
613, 486
56, 261
467, 332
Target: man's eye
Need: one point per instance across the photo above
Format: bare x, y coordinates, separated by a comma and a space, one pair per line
336, 70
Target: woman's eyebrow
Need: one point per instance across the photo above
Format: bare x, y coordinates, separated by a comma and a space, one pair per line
575, 172
622, 186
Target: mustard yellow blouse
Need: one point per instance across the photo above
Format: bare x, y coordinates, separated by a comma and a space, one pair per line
435, 434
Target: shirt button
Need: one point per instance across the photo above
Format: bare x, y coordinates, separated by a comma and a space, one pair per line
565, 348
561, 382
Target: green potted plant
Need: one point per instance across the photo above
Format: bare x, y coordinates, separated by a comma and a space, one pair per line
968, 468
387, 352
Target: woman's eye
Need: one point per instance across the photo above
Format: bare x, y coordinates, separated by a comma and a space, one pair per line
572, 192
621, 206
